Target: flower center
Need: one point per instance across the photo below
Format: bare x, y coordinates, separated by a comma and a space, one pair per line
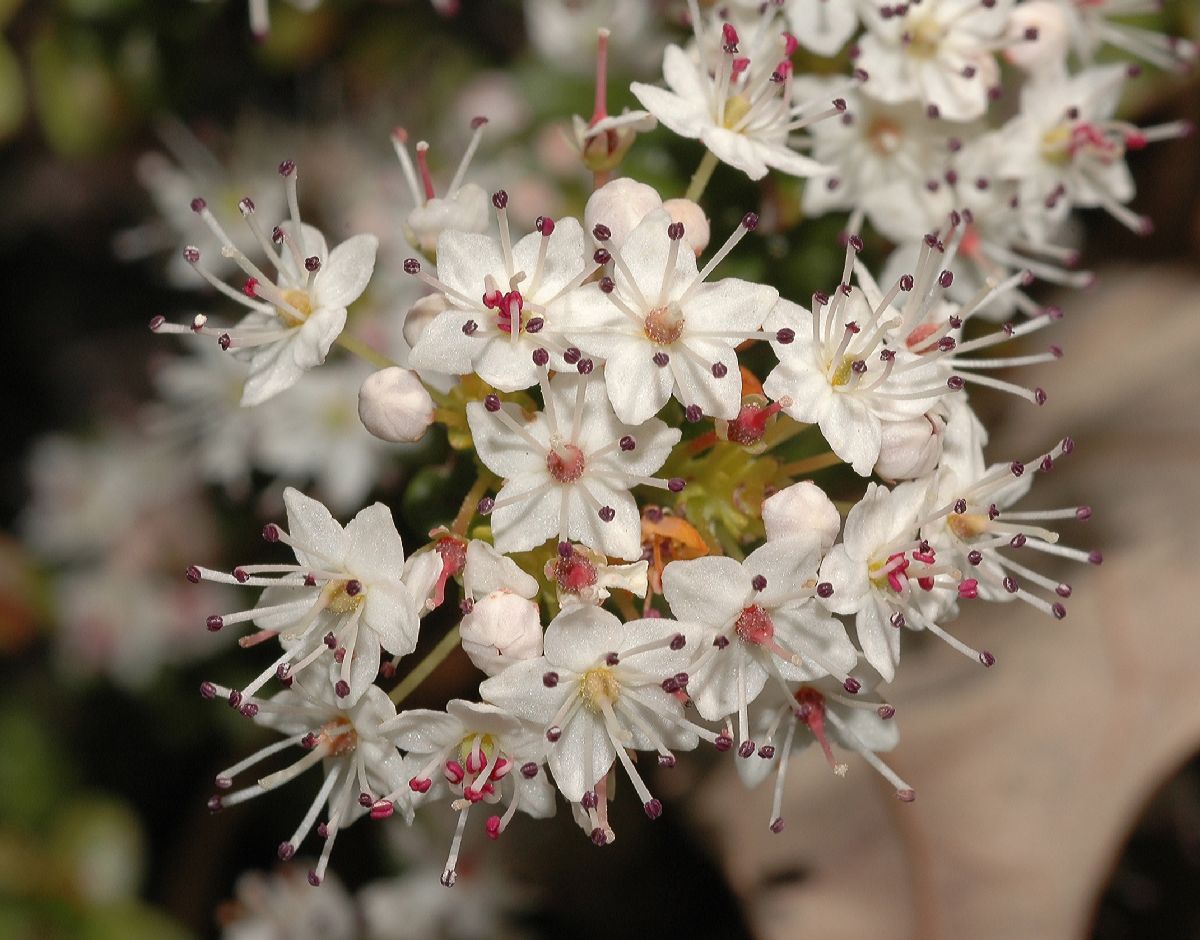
486, 746
841, 375
599, 687
754, 625
664, 325
574, 574
344, 596
884, 136
299, 300
891, 573
736, 108
338, 737
565, 462
968, 526
924, 37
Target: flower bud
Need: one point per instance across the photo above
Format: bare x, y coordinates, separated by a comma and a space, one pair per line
910, 448
801, 509
695, 222
420, 315
502, 628
620, 205
394, 405
468, 210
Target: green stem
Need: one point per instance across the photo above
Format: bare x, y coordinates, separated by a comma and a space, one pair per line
470, 503
426, 666
363, 351
811, 464
701, 177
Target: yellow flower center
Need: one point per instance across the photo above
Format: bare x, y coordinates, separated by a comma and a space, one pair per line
736, 108
924, 37
599, 687
302, 304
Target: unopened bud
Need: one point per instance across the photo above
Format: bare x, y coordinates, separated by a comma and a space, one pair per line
502, 628
420, 315
394, 405
910, 449
801, 509
695, 222
620, 205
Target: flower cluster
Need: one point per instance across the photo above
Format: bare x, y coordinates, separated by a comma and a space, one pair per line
642, 424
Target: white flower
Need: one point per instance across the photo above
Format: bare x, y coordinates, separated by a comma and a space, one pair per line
201, 393
597, 692
496, 321
738, 102
350, 741
937, 52
862, 359
395, 406
295, 317
889, 163
758, 624
283, 904
889, 578
313, 432
1063, 149
661, 329
582, 576
568, 472
464, 208
837, 371
472, 748
981, 534
171, 182
801, 509
815, 713
500, 629
346, 596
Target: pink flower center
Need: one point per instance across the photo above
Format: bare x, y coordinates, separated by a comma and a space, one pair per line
565, 463
754, 625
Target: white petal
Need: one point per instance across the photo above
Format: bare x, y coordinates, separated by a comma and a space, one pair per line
708, 590
506, 454
319, 541
376, 552
344, 277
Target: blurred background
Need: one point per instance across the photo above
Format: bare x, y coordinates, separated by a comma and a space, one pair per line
1059, 793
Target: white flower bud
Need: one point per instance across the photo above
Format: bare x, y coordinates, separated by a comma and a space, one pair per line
486, 571
910, 449
1048, 52
466, 211
695, 222
502, 628
420, 315
801, 509
394, 405
620, 205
